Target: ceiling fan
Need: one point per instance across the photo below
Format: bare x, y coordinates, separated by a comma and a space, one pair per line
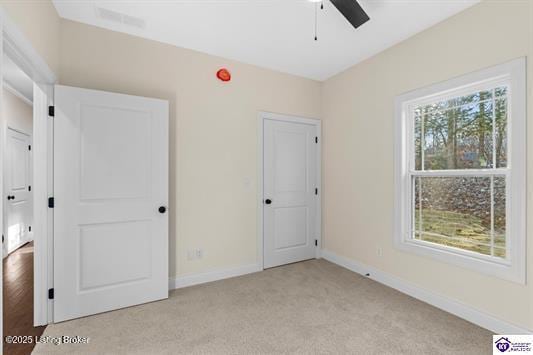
350, 9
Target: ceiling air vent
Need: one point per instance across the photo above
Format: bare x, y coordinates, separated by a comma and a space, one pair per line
133, 21
117, 17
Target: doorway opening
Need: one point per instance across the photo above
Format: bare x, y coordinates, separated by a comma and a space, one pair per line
17, 233
26, 222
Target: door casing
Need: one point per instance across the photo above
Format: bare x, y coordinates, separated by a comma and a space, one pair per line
262, 116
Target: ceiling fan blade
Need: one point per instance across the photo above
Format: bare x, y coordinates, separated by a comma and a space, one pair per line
353, 12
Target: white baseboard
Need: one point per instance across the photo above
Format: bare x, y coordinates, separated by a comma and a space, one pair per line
196, 279
445, 303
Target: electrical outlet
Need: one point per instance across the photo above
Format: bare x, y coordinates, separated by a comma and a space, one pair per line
379, 251
195, 254
199, 253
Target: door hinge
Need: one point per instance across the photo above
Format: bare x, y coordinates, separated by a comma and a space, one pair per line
29, 147
51, 202
316, 139
29, 187
2, 238
50, 293
29, 229
316, 190
316, 242
51, 111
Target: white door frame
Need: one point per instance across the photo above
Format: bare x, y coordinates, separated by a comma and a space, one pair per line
20, 50
260, 176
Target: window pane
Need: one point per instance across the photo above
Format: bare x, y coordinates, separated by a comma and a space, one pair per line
418, 139
416, 207
458, 133
501, 132
474, 98
455, 211
499, 217
459, 138
501, 91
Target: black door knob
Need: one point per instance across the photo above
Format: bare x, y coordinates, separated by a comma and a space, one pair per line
268, 201
10, 197
162, 209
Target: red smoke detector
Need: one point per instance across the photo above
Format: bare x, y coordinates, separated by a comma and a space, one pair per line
224, 74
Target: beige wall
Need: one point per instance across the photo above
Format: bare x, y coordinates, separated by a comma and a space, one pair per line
358, 114
39, 22
213, 132
17, 113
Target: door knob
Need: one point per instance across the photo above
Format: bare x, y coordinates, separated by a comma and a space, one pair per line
10, 197
268, 201
162, 209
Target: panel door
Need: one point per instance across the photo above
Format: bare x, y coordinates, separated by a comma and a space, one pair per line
18, 194
290, 200
111, 197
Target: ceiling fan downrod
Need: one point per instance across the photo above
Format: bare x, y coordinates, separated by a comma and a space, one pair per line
316, 17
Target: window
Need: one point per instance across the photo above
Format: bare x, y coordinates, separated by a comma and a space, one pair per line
460, 171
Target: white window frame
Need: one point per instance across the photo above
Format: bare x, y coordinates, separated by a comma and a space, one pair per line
513, 75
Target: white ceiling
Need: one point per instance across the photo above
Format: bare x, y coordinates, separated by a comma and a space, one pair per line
16, 79
275, 34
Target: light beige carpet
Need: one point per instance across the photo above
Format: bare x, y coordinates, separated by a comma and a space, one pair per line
308, 307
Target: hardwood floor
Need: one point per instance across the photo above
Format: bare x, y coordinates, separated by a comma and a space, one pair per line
18, 299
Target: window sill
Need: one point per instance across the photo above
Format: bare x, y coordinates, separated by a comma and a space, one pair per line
468, 260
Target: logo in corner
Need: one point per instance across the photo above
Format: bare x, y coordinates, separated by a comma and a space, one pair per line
502, 344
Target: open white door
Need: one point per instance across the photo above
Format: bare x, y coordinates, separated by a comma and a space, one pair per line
290, 181
111, 196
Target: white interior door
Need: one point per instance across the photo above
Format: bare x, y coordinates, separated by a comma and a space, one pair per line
111, 196
290, 195
17, 190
